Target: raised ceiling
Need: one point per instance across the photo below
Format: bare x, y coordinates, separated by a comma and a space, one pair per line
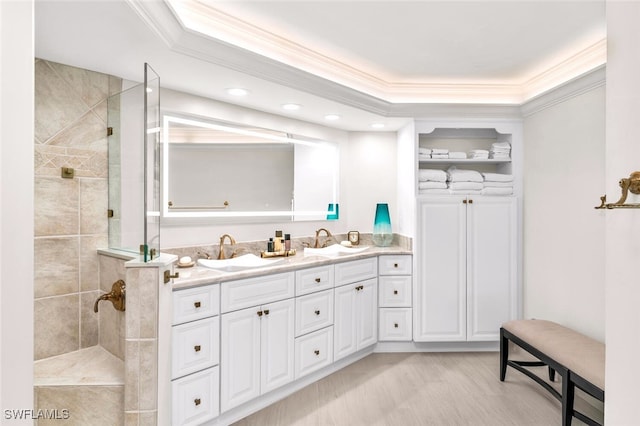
364, 60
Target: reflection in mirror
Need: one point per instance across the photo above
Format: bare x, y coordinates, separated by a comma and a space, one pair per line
226, 171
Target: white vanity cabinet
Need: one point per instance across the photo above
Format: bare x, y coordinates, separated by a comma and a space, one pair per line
195, 355
355, 315
394, 298
258, 341
467, 261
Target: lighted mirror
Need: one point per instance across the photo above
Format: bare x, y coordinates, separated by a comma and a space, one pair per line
226, 171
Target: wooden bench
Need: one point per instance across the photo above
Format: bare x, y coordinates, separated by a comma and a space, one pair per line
578, 359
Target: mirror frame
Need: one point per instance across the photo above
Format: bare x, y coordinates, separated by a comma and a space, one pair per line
288, 215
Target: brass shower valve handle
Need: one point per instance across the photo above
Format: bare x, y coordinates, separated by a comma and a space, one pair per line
116, 296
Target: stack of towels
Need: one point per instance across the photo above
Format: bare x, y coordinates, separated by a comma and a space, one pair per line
464, 181
497, 184
481, 154
458, 181
424, 153
500, 150
440, 153
432, 181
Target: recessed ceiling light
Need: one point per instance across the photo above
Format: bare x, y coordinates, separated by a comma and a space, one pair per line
237, 91
332, 117
377, 125
291, 107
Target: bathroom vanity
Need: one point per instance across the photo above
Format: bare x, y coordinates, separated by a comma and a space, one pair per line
242, 340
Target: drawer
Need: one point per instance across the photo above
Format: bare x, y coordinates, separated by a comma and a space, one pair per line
313, 351
395, 264
195, 346
195, 398
394, 291
314, 279
314, 311
256, 291
394, 324
357, 270
196, 303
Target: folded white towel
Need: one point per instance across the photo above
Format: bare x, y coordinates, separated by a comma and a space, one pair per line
465, 185
498, 156
424, 150
441, 156
479, 151
497, 177
458, 175
432, 185
492, 184
424, 156
432, 175
501, 145
465, 191
434, 191
458, 155
439, 151
497, 191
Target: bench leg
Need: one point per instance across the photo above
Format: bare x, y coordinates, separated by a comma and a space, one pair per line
552, 374
568, 393
504, 355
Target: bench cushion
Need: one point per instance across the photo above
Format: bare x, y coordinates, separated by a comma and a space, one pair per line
577, 352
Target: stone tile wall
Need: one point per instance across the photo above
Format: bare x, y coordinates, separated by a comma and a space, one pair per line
70, 214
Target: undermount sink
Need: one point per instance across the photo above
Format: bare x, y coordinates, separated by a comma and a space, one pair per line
240, 263
333, 250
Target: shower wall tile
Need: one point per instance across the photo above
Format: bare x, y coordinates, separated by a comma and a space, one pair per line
148, 418
89, 324
111, 324
87, 132
93, 206
56, 325
56, 206
111, 270
148, 375
131, 375
57, 105
89, 263
56, 266
92, 87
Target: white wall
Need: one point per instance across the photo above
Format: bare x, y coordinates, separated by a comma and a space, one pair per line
622, 292
563, 234
16, 207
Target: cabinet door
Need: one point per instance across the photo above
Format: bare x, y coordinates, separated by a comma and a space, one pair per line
277, 344
491, 266
240, 357
344, 323
440, 313
367, 313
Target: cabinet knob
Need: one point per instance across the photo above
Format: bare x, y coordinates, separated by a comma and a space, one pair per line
318, 280
197, 401
464, 201
395, 291
395, 265
470, 201
197, 304
317, 352
317, 312
197, 348
259, 313
266, 312
395, 324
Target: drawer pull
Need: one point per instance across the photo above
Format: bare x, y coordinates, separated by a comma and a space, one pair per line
395, 291
259, 313
266, 312
318, 280
317, 352
197, 401
360, 287
395, 324
395, 265
197, 348
317, 312
197, 304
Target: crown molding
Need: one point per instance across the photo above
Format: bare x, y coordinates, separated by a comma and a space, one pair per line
201, 31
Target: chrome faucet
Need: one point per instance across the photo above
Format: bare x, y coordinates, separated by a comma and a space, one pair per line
231, 241
317, 241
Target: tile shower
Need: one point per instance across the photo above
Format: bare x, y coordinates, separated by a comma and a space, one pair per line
70, 225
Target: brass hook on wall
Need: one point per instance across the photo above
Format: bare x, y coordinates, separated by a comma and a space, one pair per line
116, 296
630, 184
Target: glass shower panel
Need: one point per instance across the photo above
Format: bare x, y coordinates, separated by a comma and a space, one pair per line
152, 133
126, 178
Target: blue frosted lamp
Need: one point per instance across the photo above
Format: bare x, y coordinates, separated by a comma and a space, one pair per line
382, 235
333, 211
